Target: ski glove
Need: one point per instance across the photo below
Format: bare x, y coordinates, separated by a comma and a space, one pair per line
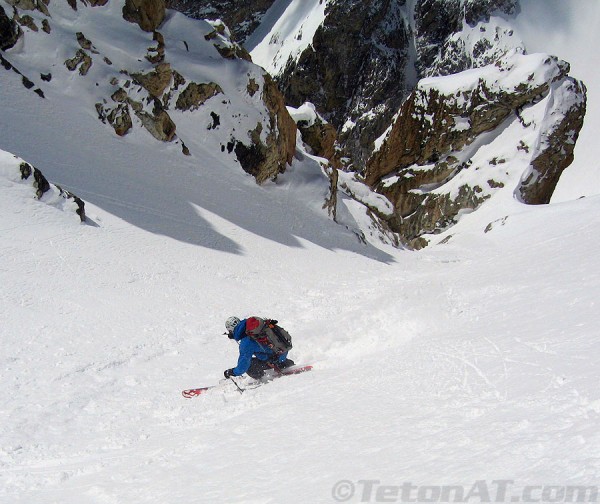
228, 373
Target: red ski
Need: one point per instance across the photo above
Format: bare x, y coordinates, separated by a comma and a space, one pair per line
196, 391
284, 372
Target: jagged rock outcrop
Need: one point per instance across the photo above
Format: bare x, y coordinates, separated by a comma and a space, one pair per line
423, 162
24, 4
224, 44
366, 57
558, 143
195, 95
42, 186
154, 118
321, 137
119, 118
425, 153
263, 146
159, 124
156, 81
440, 29
148, 14
267, 155
81, 60
9, 31
355, 71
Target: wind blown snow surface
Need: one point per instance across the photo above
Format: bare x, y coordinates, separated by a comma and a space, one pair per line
473, 361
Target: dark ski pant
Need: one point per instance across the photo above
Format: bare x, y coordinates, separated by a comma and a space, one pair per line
258, 367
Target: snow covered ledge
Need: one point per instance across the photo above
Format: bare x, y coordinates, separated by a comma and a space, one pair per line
13, 171
458, 141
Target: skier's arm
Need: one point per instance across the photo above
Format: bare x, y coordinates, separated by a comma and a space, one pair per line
244, 359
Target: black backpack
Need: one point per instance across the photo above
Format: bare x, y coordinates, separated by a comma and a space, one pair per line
268, 334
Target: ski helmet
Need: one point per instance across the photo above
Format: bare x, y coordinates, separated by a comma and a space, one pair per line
231, 323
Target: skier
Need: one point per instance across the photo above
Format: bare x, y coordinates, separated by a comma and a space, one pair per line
254, 358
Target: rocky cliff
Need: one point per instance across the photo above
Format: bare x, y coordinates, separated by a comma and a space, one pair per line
430, 105
365, 58
370, 69
459, 139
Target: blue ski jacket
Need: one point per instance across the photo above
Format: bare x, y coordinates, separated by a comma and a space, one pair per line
250, 348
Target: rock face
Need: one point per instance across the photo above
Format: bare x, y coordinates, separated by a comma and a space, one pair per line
265, 159
57, 195
223, 42
148, 14
424, 109
440, 29
156, 81
237, 109
366, 57
432, 164
356, 71
321, 137
195, 95
150, 109
427, 145
557, 141
9, 31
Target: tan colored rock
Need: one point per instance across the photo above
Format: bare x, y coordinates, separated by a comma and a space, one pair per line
233, 51
418, 155
195, 95
23, 4
155, 82
224, 45
266, 161
81, 60
252, 87
322, 139
120, 119
83, 42
28, 22
148, 14
157, 54
160, 126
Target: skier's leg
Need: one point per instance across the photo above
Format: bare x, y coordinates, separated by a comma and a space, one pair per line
286, 363
257, 368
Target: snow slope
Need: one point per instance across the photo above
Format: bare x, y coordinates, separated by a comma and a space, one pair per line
287, 28
473, 360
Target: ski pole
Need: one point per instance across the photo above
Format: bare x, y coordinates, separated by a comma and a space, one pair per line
235, 383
